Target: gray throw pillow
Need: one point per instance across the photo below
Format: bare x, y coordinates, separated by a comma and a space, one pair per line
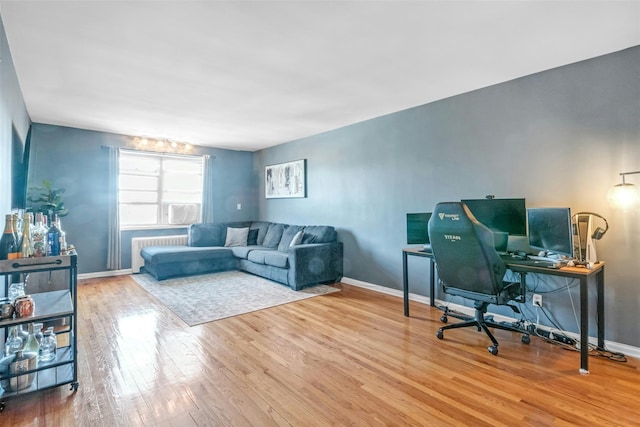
274, 234
236, 236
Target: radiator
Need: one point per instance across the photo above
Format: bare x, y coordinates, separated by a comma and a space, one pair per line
137, 243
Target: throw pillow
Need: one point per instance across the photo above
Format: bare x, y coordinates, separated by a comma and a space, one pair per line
274, 234
236, 236
252, 238
289, 232
297, 239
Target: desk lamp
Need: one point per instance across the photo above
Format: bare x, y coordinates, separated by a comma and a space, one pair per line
624, 196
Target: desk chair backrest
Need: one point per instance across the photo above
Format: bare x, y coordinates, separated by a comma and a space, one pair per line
465, 254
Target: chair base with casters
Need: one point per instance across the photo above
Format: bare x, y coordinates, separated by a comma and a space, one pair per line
481, 323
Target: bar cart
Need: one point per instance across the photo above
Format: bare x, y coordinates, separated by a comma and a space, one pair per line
54, 295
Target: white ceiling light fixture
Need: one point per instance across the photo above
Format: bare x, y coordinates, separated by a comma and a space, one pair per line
624, 196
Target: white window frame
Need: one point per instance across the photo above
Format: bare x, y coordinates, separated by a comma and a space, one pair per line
162, 204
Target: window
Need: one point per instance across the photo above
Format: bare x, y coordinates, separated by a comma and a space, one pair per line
159, 189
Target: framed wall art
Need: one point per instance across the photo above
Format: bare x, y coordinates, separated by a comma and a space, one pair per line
286, 180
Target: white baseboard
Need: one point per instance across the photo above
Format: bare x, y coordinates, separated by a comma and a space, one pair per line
610, 345
108, 273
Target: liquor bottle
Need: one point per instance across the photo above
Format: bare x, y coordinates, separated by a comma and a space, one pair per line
9, 248
48, 346
37, 327
63, 239
31, 345
17, 229
39, 237
53, 238
13, 344
26, 248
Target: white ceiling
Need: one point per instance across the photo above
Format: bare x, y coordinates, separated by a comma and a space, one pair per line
252, 74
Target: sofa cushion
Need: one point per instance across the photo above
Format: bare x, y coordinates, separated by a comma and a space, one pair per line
243, 251
201, 235
277, 259
274, 234
236, 236
258, 255
262, 227
166, 254
287, 236
269, 257
319, 234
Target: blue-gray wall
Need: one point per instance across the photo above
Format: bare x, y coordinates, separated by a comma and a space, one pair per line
14, 120
75, 160
558, 138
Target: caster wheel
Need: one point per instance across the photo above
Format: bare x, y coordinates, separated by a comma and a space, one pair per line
526, 339
493, 349
74, 386
444, 319
2, 406
440, 334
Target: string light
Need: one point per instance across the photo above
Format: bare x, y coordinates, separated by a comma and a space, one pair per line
160, 145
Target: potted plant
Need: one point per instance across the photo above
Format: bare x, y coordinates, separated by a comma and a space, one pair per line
48, 199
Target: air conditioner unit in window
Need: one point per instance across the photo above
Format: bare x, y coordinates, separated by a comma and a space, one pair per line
183, 213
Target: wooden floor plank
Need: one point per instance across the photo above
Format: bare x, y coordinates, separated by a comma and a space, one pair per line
346, 358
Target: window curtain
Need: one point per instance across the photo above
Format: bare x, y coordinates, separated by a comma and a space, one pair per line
113, 256
207, 190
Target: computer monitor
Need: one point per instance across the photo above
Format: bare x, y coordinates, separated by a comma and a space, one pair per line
501, 215
550, 230
418, 228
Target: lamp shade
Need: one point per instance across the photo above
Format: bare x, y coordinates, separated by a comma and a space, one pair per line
624, 196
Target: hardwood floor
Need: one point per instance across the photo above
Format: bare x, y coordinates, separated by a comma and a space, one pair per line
347, 358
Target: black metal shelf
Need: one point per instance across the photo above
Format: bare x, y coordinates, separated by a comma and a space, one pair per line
49, 306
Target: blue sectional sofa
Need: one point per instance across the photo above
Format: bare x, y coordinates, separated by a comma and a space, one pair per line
297, 256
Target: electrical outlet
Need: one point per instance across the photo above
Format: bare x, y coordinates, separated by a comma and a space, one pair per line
537, 300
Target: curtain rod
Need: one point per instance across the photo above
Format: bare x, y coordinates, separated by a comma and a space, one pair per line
159, 152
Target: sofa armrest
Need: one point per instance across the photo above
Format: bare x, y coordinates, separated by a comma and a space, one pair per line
314, 263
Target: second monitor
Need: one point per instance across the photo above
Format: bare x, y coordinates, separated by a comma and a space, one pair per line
501, 215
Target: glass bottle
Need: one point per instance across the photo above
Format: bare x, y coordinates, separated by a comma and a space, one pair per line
16, 290
17, 229
37, 327
48, 346
31, 345
9, 248
26, 248
53, 238
39, 236
13, 344
63, 239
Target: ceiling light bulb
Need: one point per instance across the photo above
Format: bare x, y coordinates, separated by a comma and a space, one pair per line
144, 141
159, 143
174, 144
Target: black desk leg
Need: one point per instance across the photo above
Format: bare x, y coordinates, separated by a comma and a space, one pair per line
432, 283
584, 326
405, 284
600, 307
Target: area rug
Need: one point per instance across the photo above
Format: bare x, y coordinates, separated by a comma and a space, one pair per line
208, 297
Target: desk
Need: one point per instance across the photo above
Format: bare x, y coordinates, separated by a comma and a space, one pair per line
582, 274
405, 276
